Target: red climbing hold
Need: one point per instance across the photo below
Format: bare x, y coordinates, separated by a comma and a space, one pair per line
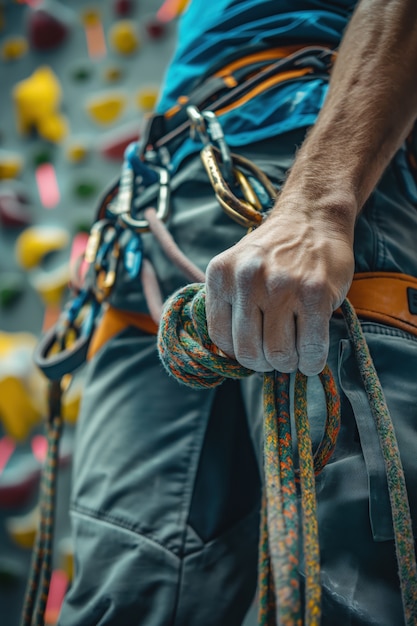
155, 28
114, 144
46, 30
14, 209
124, 7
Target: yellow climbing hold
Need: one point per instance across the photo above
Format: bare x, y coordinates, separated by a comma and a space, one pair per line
37, 241
13, 48
71, 401
106, 108
37, 100
23, 529
90, 17
146, 98
10, 165
51, 285
18, 412
76, 152
123, 37
66, 556
22, 387
53, 128
112, 73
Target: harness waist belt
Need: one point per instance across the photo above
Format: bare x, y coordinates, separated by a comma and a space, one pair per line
115, 321
386, 297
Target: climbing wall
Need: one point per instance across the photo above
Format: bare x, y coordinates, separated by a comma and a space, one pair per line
77, 80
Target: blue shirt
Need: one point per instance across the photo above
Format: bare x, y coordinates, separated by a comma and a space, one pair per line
211, 30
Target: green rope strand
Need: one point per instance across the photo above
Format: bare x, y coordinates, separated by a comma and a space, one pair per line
281, 499
41, 567
266, 601
403, 532
187, 353
308, 505
51, 475
332, 425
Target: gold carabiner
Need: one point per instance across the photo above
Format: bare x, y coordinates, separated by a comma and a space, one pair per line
105, 280
247, 190
245, 212
95, 239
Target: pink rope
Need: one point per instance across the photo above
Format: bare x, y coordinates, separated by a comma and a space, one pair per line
152, 291
168, 245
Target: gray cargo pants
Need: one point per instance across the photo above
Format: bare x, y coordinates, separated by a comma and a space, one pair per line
167, 479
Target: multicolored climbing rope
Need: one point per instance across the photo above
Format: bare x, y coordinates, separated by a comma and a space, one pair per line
401, 518
187, 353
41, 568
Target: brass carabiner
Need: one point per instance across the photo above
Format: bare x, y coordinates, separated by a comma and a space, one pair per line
97, 233
246, 212
163, 206
106, 278
247, 190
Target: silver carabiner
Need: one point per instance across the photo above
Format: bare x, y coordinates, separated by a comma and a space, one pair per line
123, 201
162, 210
210, 131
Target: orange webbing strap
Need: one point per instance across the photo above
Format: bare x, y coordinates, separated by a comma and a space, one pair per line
116, 320
226, 72
386, 297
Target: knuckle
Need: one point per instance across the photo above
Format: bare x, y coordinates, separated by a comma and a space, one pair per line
214, 272
252, 361
312, 358
282, 361
277, 283
313, 350
313, 291
247, 273
218, 336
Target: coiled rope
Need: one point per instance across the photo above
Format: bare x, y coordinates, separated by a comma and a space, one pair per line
188, 354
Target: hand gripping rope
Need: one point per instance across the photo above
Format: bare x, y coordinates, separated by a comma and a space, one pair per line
188, 354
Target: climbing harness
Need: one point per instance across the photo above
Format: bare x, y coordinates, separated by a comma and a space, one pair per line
139, 203
115, 239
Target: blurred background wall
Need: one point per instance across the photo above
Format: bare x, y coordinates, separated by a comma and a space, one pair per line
77, 79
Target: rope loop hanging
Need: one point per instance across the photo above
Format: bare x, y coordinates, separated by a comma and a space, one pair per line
188, 354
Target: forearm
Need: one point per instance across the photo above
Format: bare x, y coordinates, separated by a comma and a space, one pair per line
370, 108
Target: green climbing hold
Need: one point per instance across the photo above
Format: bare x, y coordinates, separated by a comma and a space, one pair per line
82, 227
85, 189
11, 289
43, 155
81, 73
10, 572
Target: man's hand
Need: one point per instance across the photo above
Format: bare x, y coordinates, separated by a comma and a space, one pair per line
270, 297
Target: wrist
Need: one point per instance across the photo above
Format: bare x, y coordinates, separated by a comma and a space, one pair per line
320, 196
